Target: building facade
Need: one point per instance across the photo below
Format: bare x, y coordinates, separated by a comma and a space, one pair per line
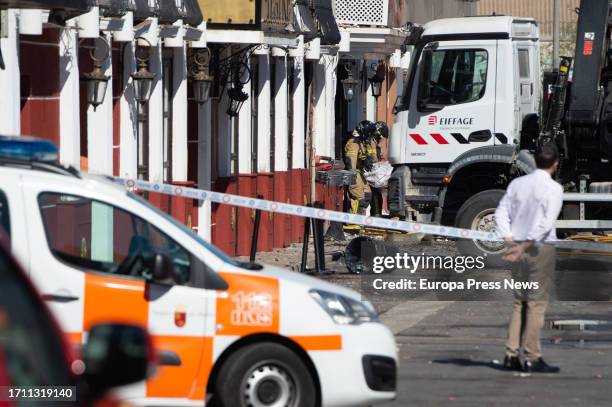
239, 96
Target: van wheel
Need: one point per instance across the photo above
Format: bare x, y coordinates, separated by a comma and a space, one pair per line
477, 214
264, 374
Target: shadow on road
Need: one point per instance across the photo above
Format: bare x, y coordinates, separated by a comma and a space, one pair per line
470, 363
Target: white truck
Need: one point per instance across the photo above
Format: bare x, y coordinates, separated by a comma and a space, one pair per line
468, 121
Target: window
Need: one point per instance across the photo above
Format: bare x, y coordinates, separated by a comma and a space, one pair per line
101, 237
453, 76
523, 59
5, 223
31, 353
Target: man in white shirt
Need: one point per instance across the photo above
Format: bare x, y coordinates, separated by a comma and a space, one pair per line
525, 218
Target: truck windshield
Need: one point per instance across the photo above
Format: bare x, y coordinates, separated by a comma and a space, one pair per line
454, 76
224, 257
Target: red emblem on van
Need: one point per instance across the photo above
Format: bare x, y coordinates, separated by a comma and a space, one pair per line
180, 318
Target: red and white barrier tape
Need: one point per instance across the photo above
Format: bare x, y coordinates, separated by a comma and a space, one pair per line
342, 217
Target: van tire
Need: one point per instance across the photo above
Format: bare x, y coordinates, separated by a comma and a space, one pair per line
264, 370
482, 205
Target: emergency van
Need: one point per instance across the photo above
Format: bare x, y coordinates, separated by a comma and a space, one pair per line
227, 333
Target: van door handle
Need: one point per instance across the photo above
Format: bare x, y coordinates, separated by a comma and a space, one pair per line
169, 358
59, 298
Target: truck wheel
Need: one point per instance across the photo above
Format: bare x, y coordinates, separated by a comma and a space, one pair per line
264, 374
477, 214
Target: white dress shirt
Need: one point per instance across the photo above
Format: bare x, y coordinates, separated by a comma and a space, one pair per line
529, 208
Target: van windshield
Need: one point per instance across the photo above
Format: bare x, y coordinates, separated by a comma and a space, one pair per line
214, 250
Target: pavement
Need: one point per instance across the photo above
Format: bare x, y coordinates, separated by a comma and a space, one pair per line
451, 358
450, 351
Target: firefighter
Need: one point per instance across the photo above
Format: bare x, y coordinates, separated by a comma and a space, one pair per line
356, 159
375, 151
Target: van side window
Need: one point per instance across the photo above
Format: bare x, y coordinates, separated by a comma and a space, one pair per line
97, 236
5, 223
454, 76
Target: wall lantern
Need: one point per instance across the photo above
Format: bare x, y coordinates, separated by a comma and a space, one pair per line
95, 81
237, 98
377, 79
237, 74
143, 78
349, 84
200, 79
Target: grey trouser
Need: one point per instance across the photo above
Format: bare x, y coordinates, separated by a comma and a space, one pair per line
529, 306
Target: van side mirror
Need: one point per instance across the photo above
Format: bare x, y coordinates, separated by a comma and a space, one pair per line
161, 267
116, 355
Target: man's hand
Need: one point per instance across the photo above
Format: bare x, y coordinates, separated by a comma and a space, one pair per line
516, 251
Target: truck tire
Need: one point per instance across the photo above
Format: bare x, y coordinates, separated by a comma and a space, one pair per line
264, 374
477, 214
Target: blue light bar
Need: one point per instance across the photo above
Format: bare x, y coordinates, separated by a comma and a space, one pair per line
27, 149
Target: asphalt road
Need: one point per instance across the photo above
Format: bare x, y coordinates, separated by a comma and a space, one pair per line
450, 351
449, 359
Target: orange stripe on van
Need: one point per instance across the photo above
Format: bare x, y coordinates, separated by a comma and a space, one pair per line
185, 380
319, 342
250, 305
118, 300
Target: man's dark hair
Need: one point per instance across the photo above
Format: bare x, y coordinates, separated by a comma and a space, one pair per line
547, 155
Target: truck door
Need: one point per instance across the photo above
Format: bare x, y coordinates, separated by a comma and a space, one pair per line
93, 264
452, 103
525, 58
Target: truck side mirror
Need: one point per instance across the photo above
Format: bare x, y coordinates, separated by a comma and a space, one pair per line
116, 355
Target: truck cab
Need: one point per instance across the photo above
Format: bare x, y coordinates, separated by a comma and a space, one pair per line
471, 97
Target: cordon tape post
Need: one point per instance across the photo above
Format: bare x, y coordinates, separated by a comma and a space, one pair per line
334, 216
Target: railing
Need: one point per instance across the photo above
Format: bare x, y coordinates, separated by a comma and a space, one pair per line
362, 12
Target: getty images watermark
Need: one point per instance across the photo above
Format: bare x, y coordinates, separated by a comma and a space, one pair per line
404, 264
404, 261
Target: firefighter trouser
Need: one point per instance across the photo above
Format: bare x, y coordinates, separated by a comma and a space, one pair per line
360, 194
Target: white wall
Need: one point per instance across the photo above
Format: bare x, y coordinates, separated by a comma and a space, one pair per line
244, 133
100, 126
204, 167
69, 123
263, 114
156, 124
299, 108
324, 99
281, 121
10, 102
128, 122
179, 115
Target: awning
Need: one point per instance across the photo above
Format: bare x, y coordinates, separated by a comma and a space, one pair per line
80, 5
113, 8
303, 21
142, 11
60, 10
168, 11
193, 14
330, 34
